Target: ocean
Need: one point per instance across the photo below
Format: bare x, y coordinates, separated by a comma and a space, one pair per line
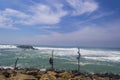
65, 58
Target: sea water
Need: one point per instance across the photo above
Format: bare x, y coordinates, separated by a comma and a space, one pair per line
92, 59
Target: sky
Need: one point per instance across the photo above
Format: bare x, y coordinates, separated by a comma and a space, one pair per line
88, 23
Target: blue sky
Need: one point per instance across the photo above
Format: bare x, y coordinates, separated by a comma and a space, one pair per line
90, 23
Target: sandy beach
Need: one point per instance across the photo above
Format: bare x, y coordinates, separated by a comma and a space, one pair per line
36, 74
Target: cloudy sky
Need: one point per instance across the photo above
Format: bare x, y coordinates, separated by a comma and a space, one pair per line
90, 23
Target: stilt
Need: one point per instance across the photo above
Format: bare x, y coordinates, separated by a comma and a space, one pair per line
51, 61
16, 63
78, 58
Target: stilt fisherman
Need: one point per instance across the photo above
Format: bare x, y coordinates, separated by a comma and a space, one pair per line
78, 58
51, 61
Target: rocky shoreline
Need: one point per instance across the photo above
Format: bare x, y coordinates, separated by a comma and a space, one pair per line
36, 74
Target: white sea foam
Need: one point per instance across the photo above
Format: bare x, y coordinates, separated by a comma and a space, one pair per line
59, 51
7, 46
112, 59
81, 63
101, 55
52, 48
93, 54
6, 67
71, 53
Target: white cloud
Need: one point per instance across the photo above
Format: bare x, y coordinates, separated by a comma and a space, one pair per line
6, 23
107, 35
13, 13
43, 14
37, 14
9, 17
83, 6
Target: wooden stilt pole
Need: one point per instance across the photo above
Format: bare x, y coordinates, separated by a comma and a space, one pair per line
79, 55
16, 63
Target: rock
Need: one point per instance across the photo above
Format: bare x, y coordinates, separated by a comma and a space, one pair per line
61, 78
80, 78
32, 72
76, 78
39, 74
12, 73
51, 73
48, 77
23, 77
26, 47
2, 77
6, 74
94, 77
66, 75
36, 74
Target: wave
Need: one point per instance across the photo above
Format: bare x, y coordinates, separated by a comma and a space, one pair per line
91, 54
6, 67
52, 48
7, 46
111, 59
59, 51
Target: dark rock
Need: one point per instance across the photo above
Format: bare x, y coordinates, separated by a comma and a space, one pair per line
26, 47
6, 74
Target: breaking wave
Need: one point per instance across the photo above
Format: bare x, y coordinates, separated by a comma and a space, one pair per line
86, 53
92, 54
7, 46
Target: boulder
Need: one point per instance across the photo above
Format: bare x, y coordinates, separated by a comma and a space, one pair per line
47, 77
2, 77
80, 78
66, 75
94, 77
26, 47
23, 77
51, 73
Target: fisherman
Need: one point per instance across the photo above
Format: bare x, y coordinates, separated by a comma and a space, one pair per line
51, 61
78, 58
79, 55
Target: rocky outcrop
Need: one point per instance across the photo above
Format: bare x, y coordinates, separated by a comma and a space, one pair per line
22, 77
66, 75
26, 47
35, 74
